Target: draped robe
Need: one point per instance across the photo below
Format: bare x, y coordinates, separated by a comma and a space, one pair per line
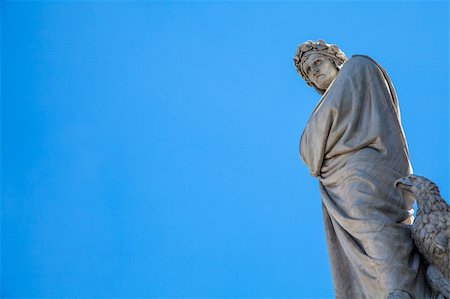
354, 143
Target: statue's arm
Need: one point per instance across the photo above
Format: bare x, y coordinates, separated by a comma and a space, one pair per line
313, 143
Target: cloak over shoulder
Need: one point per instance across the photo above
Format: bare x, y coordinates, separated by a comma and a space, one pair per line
354, 143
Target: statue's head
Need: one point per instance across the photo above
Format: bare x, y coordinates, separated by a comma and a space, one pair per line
416, 184
318, 63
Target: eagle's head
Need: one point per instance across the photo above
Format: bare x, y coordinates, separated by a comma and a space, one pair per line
416, 184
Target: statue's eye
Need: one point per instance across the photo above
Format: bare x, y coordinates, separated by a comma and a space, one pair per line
317, 62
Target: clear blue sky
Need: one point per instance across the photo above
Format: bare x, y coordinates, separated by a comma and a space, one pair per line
150, 149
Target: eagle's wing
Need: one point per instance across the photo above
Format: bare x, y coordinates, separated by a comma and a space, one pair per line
438, 281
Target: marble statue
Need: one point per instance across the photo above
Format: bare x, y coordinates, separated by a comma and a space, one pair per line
355, 145
431, 230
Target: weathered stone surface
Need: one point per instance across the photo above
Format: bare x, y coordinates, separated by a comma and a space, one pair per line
431, 230
354, 144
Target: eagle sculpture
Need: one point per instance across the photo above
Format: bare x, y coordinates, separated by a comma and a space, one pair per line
431, 230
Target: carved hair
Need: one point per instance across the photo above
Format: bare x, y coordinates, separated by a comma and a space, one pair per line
320, 47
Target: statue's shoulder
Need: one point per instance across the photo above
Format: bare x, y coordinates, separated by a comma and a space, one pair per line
361, 60
358, 62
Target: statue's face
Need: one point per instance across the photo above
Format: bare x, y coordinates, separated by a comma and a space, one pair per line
320, 70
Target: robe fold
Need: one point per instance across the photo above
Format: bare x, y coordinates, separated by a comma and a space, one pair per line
354, 143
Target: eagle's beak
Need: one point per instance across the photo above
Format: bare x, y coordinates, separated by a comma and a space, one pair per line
403, 184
